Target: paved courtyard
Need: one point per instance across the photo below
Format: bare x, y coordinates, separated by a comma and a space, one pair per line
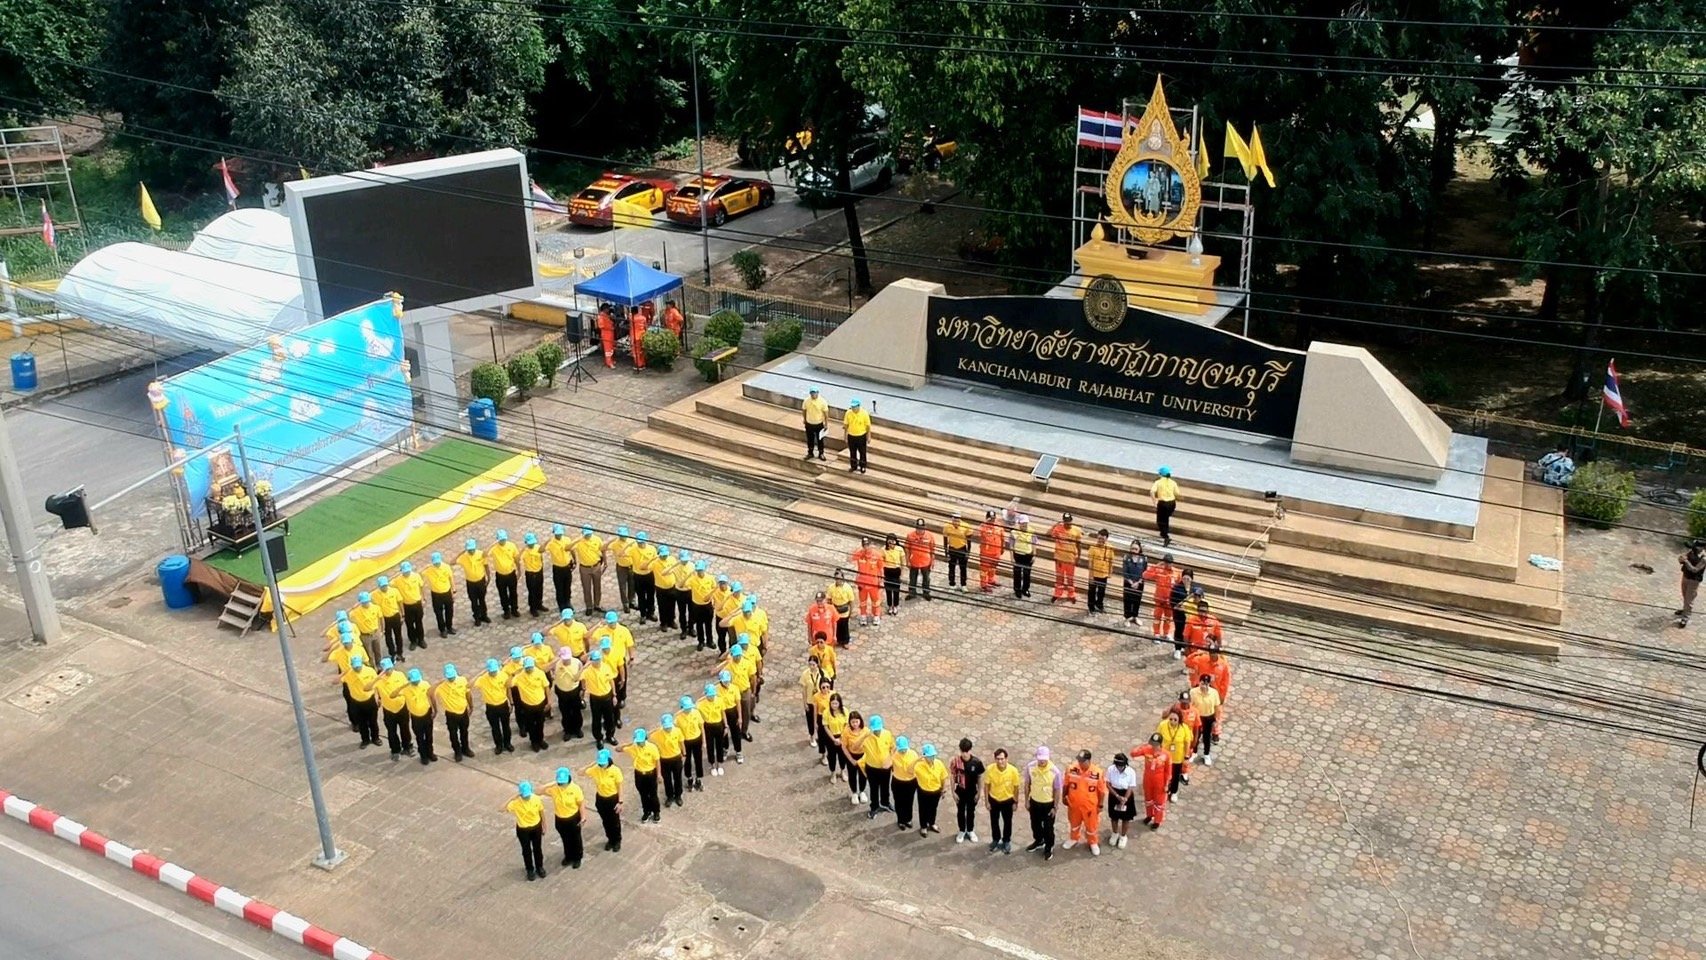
1361, 807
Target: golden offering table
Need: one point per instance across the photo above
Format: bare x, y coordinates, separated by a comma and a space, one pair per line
1161, 279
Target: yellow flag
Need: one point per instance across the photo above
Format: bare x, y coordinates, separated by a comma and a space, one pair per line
1260, 157
150, 215
303, 171
1202, 160
1238, 149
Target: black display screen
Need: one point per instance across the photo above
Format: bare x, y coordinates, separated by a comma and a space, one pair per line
435, 240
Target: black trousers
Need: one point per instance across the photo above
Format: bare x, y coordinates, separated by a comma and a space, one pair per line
645, 596
716, 744
1042, 824
1098, 595
535, 580
569, 828
891, 587
563, 584
367, 720
928, 801
603, 710
904, 792
701, 613
349, 708
444, 611
456, 725
477, 602
672, 777
957, 563
612, 821
965, 810
570, 706
913, 576
625, 587
394, 636
693, 752
844, 629
423, 736
881, 779
814, 439
1177, 781
646, 784
507, 599
1178, 627
532, 840
397, 732
1133, 601
1001, 820
1164, 518
531, 717
1205, 739
414, 624
684, 609
858, 449
1022, 573
497, 717
665, 597
856, 777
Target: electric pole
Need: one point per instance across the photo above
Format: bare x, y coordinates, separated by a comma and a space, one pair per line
21, 541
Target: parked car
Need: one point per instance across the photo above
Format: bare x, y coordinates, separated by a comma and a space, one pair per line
932, 148
723, 197
591, 207
870, 166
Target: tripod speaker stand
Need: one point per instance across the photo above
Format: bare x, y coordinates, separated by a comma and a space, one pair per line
574, 331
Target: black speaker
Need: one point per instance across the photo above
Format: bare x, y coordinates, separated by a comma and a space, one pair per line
276, 552
574, 328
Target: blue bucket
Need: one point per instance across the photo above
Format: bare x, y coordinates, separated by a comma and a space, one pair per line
23, 371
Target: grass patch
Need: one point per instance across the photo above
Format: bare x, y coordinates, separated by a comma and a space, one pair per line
330, 524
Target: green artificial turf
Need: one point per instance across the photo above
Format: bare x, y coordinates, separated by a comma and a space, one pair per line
330, 524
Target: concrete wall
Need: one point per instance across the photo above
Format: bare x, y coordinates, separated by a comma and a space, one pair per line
1355, 415
886, 340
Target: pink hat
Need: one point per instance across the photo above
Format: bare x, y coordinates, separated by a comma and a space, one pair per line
1042, 753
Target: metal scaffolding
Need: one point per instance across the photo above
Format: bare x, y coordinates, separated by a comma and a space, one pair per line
35, 170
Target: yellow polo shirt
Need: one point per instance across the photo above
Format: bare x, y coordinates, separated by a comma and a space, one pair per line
453, 695
608, 780
557, 548
438, 577
473, 566
566, 799
588, 551
409, 587
815, 409
504, 554
1003, 783
857, 422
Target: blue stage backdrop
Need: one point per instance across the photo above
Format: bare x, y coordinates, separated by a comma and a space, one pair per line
308, 402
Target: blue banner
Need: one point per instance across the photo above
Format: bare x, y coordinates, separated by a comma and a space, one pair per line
308, 402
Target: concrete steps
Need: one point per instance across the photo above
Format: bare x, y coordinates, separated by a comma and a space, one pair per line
1356, 576
1273, 596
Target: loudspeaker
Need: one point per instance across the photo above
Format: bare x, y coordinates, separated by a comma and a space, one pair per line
276, 552
574, 328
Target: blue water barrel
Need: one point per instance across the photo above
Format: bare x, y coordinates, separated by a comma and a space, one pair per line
23, 371
483, 419
173, 571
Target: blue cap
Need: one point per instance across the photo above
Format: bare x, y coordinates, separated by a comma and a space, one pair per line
414, 675
604, 758
667, 721
356, 662
383, 582
437, 557
450, 671
530, 540
736, 587
737, 651
364, 597
563, 776
639, 734
537, 637
744, 640
492, 665
700, 566
663, 551
407, 567
929, 751
557, 530
854, 403
876, 723
343, 616
643, 537
525, 789
1165, 471
722, 578
503, 535
527, 663
514, 652
611, 616
568, 613
621, 531
604, 644
346, 629
814, 388
723, 676
686, 703
710, 689
347, 638
586, 530
902, 743
749, 604
386, 664
595, 656
470, 545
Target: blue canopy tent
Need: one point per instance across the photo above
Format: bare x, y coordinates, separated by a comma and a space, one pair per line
629, 282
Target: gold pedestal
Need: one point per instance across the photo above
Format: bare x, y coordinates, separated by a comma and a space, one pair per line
1162, 279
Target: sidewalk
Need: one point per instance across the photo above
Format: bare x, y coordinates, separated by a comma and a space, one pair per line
71, 358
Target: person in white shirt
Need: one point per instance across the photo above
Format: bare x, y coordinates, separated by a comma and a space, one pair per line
1122, 800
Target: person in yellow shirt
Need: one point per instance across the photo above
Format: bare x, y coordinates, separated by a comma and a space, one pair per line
724, 604
878, 765
1068, 538
646, 759
729, 696
742, 674
664, 569
390, 602
567, 800
642, 556
599, 681
700, 588
1044, 784
956, 537
668, 742
541, 651
505, 559
1205, 699
359, 682
815, 411
811, 684
855, 736
452, 696
335, 631
529, 813
347, 648
757, 624
606, 778
390, 690
894, 560
589, 556
931, 774
1176, 739
826, 657
560, 550
857, 423
1000, 792
684, 593
417, 699
1024, 557
365, 617
841, 596
409, 590
904, 781
1165, 492
1101, 568
493, 686
711, 710
473, 564
619, 653
622, 549
691, 724
566, 681
439, 577
531, 685
832, 723
533, 574
569, 632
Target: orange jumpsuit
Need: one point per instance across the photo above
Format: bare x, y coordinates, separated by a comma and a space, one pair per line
1067, 541
1199, 630
1196, 664
1163, 576
820, 619
990, 538
673, 319
869, 562
1157, 773
1086, 790
607, 338
636, 332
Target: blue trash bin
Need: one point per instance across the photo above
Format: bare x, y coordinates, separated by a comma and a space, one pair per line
23, 371
173, 571
483, 419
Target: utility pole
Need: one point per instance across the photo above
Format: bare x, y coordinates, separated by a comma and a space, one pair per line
330, 856
21, 541
699, 136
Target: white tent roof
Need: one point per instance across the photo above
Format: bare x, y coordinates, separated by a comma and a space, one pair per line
237, 285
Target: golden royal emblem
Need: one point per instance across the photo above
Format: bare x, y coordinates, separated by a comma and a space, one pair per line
1153, 189
1104, 303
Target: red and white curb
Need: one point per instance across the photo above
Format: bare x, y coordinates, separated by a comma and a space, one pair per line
259, 913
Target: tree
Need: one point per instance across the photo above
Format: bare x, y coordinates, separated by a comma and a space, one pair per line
613, 76
42, 45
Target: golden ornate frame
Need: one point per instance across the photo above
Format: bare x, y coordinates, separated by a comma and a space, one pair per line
1154, 138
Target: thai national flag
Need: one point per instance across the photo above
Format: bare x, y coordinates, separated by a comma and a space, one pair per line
1099, 130
543, 201
230, 186
1612, 395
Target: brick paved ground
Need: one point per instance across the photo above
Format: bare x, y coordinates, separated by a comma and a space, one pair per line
1345, 818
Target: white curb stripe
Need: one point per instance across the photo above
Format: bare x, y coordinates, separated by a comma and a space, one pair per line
175, 877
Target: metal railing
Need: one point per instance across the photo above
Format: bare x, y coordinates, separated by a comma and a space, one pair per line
757, 308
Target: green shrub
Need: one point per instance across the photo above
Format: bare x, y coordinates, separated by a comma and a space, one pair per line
1435, 386
725, 325
782, 337
751, 268
523, 373
1599, 493
1697, 515
550, 357
490, 381
704, 348
662, 349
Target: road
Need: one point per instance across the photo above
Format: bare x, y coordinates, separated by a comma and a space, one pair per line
86, 908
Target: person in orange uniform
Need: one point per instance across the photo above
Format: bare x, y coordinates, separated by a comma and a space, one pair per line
1086, 791
1219, 670
473, 564
920, 556
820, 618
417, 698
674, 321
567, 801
956, 539
529, 813
1201, 630
841, 597
452, 696
868, 561
410, 587
1163, 575
1157, 776
1068, 540
533, 574
1101, 568
991, 537
390, 602
637, 322
607, 335
894, 559
506, 558
360, 683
